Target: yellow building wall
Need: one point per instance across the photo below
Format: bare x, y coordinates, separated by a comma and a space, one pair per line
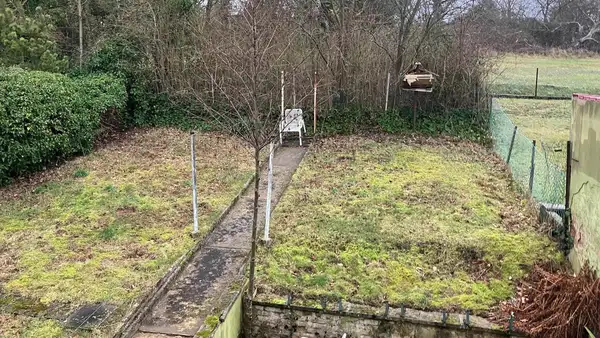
585, 181
231, 327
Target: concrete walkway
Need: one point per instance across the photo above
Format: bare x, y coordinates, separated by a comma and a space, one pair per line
204, 286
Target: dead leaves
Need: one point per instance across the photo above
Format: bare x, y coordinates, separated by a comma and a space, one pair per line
557, 304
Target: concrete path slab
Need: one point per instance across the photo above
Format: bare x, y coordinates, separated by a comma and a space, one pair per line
204, 287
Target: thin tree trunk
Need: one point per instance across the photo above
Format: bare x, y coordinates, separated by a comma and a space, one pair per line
209, 6
254, 222
342, 58
80, 33
398, 76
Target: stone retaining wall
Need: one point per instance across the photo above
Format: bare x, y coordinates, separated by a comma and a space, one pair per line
275, 320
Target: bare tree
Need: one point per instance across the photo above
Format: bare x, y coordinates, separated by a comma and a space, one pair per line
545, 9
351, 44
511, 9
582, 17
417, 21
242, 89
589, 23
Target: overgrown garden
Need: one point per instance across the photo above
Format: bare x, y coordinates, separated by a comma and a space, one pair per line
431, 224
106, 227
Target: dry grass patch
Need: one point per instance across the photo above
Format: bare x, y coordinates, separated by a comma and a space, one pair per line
429, 224
105, 227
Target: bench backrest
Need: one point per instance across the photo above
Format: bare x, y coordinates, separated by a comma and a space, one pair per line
292, 120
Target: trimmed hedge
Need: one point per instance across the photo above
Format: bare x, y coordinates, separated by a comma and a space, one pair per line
46, 117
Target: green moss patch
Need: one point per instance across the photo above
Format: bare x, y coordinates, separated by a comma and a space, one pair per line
210, 323
435, 225
110, 234
28, 327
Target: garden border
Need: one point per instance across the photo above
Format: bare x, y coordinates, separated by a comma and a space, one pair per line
132, 321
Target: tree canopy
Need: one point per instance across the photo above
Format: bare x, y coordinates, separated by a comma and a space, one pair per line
28, 41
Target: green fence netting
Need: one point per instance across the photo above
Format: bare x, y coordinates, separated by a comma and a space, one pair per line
548, 178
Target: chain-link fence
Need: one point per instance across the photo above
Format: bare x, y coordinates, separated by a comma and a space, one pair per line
528, 160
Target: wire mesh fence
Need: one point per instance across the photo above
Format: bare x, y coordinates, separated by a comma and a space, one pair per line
529, 161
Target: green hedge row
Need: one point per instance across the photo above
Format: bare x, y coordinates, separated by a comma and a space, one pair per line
46, 117
462, 123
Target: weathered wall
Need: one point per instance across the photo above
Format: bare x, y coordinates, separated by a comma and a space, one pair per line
585, 180
274, 321
231, 327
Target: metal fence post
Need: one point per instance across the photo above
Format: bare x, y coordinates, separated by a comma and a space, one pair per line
315, 105
568, 176
387, 92
536, 81
512, 142
194, 189
269, 188
532, 172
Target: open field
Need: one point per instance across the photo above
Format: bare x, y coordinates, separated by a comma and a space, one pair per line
557, 76
107, 226
428, 223
548, 122
541, 120
554, 115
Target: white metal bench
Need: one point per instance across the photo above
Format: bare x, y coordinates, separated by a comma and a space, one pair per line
292, 122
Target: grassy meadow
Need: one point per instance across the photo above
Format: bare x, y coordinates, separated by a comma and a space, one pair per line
558, 76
